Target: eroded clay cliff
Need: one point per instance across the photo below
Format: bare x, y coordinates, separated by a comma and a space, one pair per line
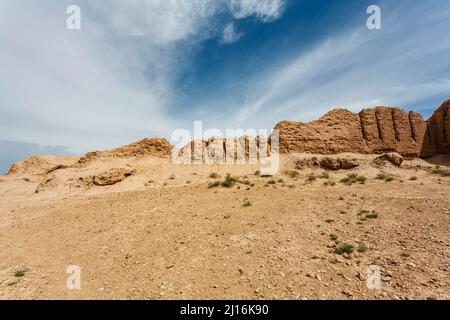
372, 131
438, 137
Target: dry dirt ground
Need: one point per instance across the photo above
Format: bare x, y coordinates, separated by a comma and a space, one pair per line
164, 234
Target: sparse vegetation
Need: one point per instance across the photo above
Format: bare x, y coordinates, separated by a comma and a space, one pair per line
333, 237
20, 273
442, 172
258, 173
362, 248
385, 177
344, 248
172, 177
329, 221
272, 182
366, 214
246, 203
372, 215
228, 182
413, 178
324, 175
353, 178
329, 183
405, 254
311, 178
362, 211
214, 184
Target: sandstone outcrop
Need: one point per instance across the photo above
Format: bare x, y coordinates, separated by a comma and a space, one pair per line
157, 147
328, 163
392, 157
223, 150
41, 165
372, 131
438, 137
112, 176
333, 163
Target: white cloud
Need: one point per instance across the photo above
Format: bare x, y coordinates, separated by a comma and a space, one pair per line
230, 34
403, 64
266, 10
109, 83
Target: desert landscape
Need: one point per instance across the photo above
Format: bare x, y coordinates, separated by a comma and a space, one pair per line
354, 190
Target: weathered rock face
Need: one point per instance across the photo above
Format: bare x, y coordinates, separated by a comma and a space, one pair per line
222, 150
112, 176
157, 147
328, 163
438, 136
372, 131
41, 165
391, 157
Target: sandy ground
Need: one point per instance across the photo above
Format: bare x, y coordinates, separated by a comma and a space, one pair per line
164, 234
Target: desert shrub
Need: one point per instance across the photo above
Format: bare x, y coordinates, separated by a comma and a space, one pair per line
257, 173
344, 248
361, 179
362, 248
20, 273
246, 203
333, 237
352, 178
385, 177
362, 211
413, 178
405, 254
311, 178
229, 181
214, 184
441, 172
372, 215
272, 182
324, 175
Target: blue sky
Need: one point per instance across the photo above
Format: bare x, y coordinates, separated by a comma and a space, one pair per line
144, 68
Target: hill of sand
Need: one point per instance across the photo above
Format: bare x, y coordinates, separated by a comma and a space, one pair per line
142, 227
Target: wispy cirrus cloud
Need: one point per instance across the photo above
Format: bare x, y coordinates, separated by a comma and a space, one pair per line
111, 82
402, 65
267, 11
230, 34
